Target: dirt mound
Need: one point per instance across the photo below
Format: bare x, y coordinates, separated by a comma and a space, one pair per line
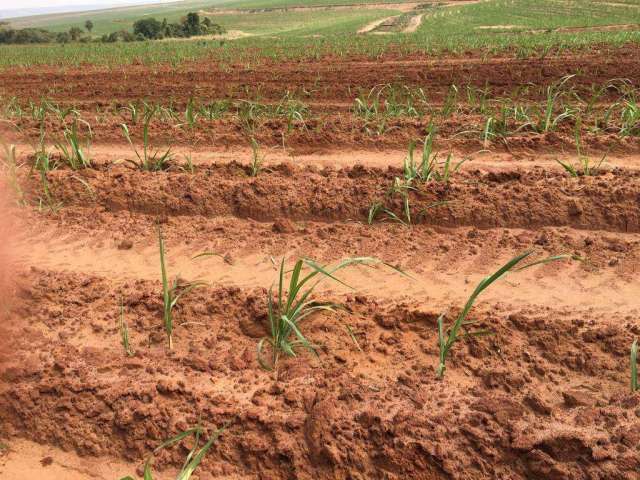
553, 402
477, 198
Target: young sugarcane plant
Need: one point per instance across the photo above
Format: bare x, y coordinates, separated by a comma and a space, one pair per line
47, 199
547, 121
172, 292
124, 332
634, 366
194, 458
148, 160
427, 166
11, 168
289, 308
190, 113
71, 146
256, 158
447, 338
587, 168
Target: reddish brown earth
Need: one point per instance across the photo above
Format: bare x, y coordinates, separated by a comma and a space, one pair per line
545, 396
331, 133
327, 79
329, 87
7, 268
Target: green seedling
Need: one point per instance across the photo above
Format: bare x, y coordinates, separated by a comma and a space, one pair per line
172, 292
124, 332
429, 168
289, 308
292, 110
368, 106
634, 366
215, 110
190, 114
11, 169
630, 118
194, 458
448, 169
71, 147
62, 112
188, 166
256, 158
47, 199
148, 160
134, 112
585, 167
548, 119
450, 102
447, 338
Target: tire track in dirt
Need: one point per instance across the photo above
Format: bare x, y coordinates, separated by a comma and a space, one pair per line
104, 156
252, 251
414, 23
375, 24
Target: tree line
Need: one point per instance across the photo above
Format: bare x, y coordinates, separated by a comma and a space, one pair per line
145, 29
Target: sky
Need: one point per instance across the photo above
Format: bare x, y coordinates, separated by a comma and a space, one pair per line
20, 4
12, 8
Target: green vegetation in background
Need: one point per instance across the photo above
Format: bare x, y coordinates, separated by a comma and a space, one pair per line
148, 28
484, 19
314, 34
116, 19
301, 23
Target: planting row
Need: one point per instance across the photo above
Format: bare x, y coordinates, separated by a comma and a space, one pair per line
538, 382
337, 78
612, 108
435, 194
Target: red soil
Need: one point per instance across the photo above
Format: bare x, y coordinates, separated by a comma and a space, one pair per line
546, 396
326, 80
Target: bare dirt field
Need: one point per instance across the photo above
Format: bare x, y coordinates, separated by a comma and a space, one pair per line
545, 395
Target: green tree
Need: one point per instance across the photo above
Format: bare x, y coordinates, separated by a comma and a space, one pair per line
192, 25
74, 33
63, 37
88, 25
148, 28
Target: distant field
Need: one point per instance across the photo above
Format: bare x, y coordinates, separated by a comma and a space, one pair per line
497, 23
107, 21
492, 25
301, 23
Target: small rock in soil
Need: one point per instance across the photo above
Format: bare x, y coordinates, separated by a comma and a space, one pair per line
125, 245
577, 398
283, 225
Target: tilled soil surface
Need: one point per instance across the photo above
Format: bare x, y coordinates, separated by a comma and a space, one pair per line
546, 395
327, 79
506, 199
